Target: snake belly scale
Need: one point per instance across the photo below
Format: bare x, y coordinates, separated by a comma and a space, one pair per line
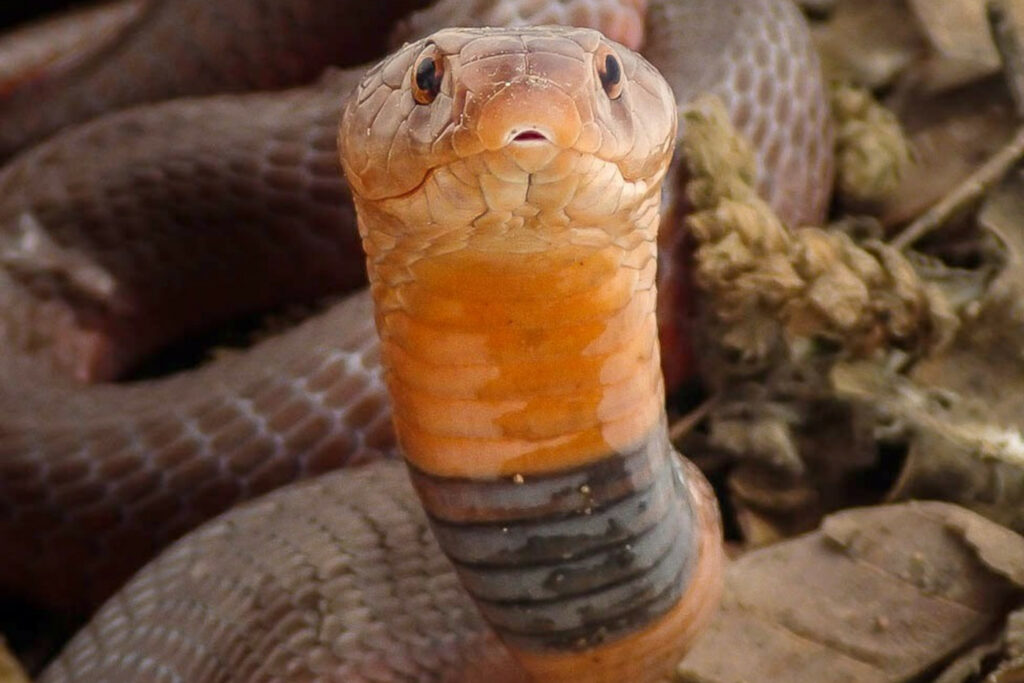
514, 448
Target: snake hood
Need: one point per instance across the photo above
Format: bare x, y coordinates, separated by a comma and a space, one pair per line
464, 94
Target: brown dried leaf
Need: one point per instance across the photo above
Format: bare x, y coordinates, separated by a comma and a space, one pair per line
868, 42
997, 547
958, 33
770, 506
999, 661
951, 134
962, 448
796, 455
964, 406
974, 464
1011, 670
877, 594
969, 665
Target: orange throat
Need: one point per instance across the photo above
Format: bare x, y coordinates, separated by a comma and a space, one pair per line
532, 362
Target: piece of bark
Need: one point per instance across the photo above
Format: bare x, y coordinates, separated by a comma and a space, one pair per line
876, 594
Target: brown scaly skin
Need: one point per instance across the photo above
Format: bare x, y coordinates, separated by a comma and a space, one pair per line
152, 50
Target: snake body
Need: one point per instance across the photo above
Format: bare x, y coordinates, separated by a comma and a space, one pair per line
94, 480
137, 51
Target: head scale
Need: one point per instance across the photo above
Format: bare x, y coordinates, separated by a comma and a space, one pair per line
531, 93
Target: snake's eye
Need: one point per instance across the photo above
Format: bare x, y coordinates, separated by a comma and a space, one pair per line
609, 72
427, 77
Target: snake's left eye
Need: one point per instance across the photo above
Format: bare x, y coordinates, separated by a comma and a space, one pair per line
609, 72
427, 76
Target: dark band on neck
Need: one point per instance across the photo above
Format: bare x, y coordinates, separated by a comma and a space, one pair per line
571, 559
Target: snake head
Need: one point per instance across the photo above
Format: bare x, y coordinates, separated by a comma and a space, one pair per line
527, 95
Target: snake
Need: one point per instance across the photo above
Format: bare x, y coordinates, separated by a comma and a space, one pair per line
119, 232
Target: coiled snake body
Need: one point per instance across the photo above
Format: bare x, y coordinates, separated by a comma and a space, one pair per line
340, 576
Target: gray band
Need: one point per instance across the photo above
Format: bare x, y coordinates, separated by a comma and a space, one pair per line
570, 559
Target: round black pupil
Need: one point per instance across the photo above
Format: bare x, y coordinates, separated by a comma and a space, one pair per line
426, 76
611, 74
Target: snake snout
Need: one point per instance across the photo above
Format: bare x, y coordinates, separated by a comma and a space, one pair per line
529, 111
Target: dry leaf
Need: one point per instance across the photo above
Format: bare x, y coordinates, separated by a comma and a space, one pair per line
999, 661
916, 53
770, 506
962, 44
969, 665
877, 594
965, 405
959, 450
868, 42
951, 134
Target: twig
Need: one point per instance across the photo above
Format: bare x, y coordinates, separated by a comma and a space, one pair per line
969, 191
681, 427
1009, 43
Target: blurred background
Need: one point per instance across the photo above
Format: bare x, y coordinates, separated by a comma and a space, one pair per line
12, 13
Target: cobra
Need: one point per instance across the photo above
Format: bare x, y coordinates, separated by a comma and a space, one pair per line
314, 580
507, 186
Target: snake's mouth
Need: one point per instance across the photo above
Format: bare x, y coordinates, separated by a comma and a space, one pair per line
530, 136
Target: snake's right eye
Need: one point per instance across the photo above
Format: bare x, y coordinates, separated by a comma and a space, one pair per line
609, 72
427, 77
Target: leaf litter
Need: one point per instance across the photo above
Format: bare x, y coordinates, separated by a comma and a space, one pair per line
863, 416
